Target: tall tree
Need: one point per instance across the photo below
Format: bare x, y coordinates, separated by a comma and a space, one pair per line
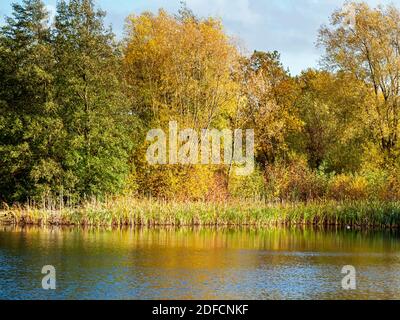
330, 108
270, 93
369, 48
90, 93
29, 126
180, 68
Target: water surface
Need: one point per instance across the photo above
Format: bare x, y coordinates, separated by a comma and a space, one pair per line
198, 263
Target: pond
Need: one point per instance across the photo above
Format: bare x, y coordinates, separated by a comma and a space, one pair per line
197, 263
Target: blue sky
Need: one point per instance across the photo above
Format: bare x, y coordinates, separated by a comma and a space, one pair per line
289, 26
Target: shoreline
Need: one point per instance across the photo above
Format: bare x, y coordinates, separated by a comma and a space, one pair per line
131, 212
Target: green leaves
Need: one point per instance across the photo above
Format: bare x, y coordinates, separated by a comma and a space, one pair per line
89, 89
61, 104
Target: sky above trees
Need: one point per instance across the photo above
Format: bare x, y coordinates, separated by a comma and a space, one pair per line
289, 26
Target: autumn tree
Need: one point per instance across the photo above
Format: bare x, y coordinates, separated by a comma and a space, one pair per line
270, 93
179, 68
330, 107
368, 47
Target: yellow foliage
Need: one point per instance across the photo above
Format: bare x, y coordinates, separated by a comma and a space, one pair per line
180, 69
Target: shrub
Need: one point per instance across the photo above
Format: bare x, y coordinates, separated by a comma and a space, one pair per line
174, 182
347, 187
248, 187
294, 182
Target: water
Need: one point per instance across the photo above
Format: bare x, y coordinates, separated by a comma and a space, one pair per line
198, 263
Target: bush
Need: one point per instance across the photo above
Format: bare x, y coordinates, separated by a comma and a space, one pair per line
248, 187
347, 187
174, 182
294, 182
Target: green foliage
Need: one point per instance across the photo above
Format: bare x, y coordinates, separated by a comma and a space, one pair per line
94, 109
30, 135
64, 118
330, 108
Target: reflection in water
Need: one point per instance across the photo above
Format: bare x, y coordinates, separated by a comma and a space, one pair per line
198, 263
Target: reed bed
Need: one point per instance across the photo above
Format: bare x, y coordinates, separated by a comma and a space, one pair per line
129, 211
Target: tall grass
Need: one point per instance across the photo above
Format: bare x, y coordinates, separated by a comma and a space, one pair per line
130, 211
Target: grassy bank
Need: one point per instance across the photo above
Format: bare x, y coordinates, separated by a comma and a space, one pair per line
133, 212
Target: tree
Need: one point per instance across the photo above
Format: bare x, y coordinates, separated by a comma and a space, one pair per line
270, 93
330, 108
30, 129
90, 92
369, 49
179, 68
